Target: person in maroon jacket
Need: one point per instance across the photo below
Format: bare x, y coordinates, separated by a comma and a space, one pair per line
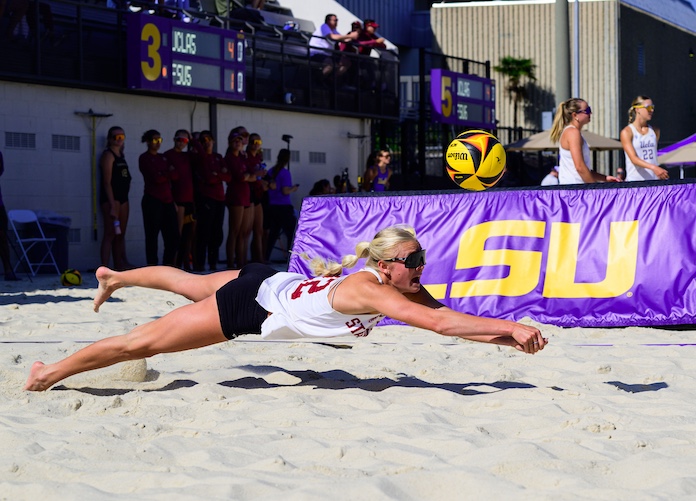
257, 167
210, 172
159, 211
182, 189
238, 201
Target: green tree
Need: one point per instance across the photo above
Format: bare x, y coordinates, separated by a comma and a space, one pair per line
518, 72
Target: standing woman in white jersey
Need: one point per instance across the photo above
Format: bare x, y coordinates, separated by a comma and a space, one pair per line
281, 305
574, 160
639, 141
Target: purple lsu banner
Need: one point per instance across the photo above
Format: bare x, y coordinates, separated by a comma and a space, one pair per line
595, 257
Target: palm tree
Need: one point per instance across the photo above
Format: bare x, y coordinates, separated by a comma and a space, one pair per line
516, 70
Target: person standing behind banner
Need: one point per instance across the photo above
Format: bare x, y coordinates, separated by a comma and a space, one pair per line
159, 211
574, 152
280, 209
551, 179
182, 190
384, 172
113, 196
4, 242
210, 172
639, 141
370, 171
257, 167
238, 201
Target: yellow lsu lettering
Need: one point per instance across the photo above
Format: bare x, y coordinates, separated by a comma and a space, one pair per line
525, 266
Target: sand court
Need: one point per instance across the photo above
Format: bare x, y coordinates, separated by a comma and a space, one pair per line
401, 414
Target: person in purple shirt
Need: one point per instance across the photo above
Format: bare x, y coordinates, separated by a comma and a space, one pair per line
280, 209
4, 246
323, 44
382, 172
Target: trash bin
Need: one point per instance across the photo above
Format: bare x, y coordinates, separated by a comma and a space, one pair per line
55, 226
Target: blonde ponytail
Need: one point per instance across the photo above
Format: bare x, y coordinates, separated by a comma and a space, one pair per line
564, 114
637, 102
383, 246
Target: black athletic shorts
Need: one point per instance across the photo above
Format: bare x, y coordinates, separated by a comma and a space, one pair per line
236, 301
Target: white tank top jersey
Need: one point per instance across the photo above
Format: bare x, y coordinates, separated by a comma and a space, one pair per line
300, 307
567, 173
646, 149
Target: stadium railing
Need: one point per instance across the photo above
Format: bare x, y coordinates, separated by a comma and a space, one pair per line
86, 48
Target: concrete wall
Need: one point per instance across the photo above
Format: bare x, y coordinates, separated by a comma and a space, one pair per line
61, 181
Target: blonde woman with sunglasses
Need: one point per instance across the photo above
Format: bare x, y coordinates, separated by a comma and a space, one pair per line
281, 305
574, 161
639, 140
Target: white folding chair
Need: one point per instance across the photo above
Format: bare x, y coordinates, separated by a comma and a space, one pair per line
32, 241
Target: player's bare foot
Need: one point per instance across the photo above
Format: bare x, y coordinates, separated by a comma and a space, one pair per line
36, 380
108, 283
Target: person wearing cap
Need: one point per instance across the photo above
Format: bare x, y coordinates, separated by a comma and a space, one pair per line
367, 38
551, 179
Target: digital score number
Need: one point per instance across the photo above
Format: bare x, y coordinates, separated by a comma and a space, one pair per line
464, 100
171, 56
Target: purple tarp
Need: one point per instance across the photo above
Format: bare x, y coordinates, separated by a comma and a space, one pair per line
613, 256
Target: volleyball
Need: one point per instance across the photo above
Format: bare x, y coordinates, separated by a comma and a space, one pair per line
475, 160
71, 277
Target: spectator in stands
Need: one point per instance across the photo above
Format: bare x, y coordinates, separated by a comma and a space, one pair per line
238, 201
383, 171
551, 179
368, 40
280, 209
251, 12
182, 190
159, 211
257, 168
210, 172
323, 43
115, 186
4, 245
321, 187
351, 46
16, 10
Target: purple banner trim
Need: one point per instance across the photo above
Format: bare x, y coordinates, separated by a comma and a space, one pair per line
614, 256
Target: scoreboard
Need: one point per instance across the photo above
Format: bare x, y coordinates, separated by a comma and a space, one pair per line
167, 55
465, 100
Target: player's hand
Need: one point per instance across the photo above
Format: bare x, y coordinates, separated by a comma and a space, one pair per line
528, 339
661, 173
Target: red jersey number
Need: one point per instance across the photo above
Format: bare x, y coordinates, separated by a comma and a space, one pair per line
312, 286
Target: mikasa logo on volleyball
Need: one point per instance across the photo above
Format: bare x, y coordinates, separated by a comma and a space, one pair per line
561, 255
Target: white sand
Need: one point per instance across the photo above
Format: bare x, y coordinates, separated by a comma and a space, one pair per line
403, 414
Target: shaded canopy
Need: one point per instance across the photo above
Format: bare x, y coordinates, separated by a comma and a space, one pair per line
682, 155
542, 141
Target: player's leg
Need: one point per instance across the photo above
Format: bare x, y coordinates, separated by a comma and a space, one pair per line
191, 286
188, 327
